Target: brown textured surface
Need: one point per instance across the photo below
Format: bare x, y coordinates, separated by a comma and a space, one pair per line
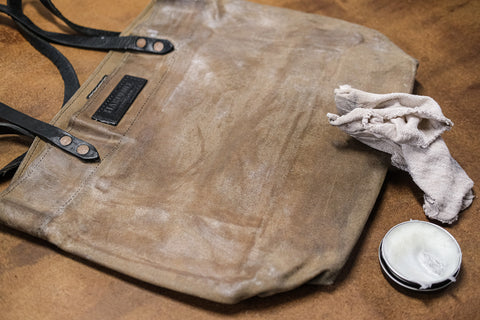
39, 282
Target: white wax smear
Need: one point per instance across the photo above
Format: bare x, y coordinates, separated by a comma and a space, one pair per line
421, 252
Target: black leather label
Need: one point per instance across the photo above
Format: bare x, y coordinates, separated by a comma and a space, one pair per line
119, 101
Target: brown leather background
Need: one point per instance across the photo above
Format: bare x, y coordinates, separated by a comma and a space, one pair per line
38, 281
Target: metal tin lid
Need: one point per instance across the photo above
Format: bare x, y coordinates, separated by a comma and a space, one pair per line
420, 256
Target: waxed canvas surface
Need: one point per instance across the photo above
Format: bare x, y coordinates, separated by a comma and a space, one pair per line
223, 180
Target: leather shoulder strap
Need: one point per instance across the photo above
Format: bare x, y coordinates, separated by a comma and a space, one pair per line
88, 38
100, 40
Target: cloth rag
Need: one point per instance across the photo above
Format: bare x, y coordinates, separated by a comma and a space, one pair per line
408, 127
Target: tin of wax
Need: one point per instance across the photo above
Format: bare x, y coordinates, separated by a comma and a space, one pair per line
420, 256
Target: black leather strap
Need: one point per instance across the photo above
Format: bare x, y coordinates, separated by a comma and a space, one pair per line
101, 42
69, 76
10, 128
15, 5
90, 39
56, 136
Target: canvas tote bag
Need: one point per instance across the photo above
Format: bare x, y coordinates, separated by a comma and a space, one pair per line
219, 175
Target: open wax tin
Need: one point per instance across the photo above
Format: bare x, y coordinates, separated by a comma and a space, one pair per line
420, 256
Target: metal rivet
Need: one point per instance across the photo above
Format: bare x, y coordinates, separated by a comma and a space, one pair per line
65, 140
158, 46
83, 149
141, 42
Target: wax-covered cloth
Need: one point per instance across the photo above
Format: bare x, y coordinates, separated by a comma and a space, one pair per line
408, 127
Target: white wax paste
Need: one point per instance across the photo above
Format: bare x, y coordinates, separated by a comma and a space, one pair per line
421, 252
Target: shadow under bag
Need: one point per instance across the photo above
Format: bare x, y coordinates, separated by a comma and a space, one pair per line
219, 174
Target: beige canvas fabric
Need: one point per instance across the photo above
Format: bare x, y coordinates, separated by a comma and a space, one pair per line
223, 180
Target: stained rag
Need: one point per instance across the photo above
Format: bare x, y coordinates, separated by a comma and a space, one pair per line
408, 127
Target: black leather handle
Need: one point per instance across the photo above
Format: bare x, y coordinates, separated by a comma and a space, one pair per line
100, 42
56, 136
9, 128
89, 38
70, 80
